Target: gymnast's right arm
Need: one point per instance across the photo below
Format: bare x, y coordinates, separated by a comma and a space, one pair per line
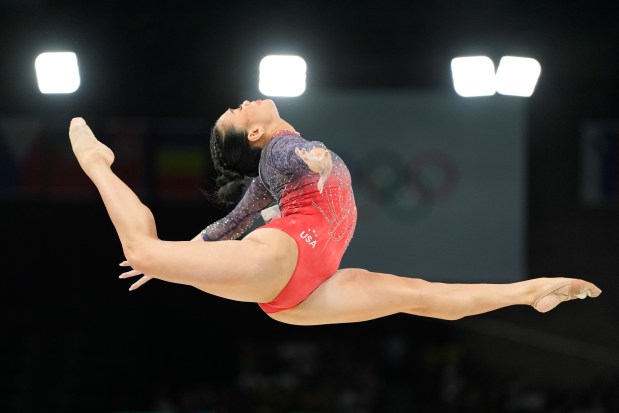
237, 222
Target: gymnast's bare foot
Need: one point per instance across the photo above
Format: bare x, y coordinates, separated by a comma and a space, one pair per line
87, 149
553, 291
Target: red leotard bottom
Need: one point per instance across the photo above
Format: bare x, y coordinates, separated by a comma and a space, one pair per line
320, 253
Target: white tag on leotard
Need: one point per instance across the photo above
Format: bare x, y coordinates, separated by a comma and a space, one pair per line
270, 213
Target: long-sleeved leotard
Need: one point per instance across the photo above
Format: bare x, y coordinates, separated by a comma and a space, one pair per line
321, 223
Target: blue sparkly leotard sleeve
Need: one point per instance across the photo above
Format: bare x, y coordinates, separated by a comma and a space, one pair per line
279, 165
238, 221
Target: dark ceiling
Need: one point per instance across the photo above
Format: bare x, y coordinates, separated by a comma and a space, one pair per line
188, 57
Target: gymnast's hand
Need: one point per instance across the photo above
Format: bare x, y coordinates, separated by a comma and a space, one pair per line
318, 160
133, 273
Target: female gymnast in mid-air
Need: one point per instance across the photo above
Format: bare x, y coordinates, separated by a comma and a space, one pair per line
289, 266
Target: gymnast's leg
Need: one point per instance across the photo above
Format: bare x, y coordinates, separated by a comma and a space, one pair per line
354, 295
269, 255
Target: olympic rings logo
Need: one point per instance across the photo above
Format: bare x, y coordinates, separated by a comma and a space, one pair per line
404, 187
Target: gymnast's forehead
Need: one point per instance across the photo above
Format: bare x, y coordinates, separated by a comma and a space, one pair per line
228, 119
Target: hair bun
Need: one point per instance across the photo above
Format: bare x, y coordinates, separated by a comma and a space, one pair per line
227, 175
231, 191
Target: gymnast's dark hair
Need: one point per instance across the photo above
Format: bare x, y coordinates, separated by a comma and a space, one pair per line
234, 160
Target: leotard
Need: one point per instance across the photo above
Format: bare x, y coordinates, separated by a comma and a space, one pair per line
322, 224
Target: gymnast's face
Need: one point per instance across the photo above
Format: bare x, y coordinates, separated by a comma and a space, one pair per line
250, 116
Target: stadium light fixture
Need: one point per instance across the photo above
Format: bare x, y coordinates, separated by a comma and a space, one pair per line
473, 76
57, 72
282, 75
517, 76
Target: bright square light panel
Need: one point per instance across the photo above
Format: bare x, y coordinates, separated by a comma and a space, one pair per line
282, 75
517, 76
473, 76
57, 72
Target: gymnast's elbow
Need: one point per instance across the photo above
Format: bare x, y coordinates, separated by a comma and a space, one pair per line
138, 254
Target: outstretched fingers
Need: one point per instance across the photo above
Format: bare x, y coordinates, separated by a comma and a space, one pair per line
140, 282
129, 274
133, 273
319, 161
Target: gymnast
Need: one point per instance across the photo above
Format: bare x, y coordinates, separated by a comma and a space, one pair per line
290, 265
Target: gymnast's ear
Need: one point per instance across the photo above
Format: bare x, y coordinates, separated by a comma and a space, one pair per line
255, 134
